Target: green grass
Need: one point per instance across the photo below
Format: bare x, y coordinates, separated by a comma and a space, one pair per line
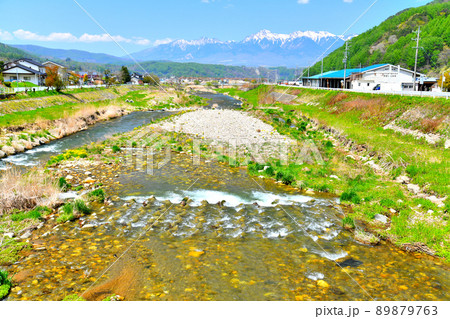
66, 214
73, 297
81, 207
68, 155
70, 211
5, 284
50, 113
23, 84
36, 213
63, 185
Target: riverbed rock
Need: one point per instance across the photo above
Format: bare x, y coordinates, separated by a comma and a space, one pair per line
381, 218
89, 180
413, 188
18, 147
2, 154
323, 284
9, 235
28, 145
8, 150
403, 179
26, 235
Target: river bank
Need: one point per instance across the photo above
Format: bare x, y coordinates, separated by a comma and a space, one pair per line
390, 189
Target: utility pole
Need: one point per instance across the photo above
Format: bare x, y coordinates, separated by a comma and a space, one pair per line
321, 75
417, 54
443, 80
345, 64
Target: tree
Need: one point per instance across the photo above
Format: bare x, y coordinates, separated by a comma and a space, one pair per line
107, 76
125, 75
151, 79
85, 78
73, 78
446, 79
53, 79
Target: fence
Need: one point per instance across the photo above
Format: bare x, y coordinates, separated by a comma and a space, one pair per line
445, 95
43, 88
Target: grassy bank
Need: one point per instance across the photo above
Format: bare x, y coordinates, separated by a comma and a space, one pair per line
411, 220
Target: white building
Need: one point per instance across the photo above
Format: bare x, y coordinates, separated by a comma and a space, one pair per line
24, 70
382, 77
62, 70
386, 78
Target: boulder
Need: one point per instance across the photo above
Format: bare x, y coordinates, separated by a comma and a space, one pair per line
381, 218
2, 154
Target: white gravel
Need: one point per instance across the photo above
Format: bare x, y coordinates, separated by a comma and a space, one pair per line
234, 127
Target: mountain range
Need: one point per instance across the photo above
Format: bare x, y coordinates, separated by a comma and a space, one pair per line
261, 49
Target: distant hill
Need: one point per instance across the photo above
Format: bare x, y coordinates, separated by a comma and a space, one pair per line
9, 53
76, 55
391, 41
161, 68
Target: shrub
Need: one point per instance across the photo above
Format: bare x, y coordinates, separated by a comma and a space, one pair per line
134, 144
269, 171
116, 149
302, 126
288, 179
348, 222
254, 167
63, 185
328, 144
350, 196
279, 176
97, 195
5, 284
81, 207
66, 214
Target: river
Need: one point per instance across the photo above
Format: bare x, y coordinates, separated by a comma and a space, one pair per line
236, 238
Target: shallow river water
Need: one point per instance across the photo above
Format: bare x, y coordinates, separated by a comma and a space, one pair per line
211, 232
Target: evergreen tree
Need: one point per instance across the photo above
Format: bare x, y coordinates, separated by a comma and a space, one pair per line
125, 76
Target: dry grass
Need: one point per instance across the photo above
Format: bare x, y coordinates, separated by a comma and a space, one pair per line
370, 108
338, 98
265, 98
431, 125
26, 191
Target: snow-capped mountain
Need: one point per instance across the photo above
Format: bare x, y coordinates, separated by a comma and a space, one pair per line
264, 48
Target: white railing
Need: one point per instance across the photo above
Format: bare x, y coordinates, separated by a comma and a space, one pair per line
445, 95
43, 88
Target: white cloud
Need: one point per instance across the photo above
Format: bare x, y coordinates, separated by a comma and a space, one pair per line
307, 1
162, 41
68, 37
5, 35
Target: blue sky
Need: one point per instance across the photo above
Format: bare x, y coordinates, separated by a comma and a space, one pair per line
137, 25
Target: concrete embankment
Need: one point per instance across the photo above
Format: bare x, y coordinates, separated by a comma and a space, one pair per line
29, 136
